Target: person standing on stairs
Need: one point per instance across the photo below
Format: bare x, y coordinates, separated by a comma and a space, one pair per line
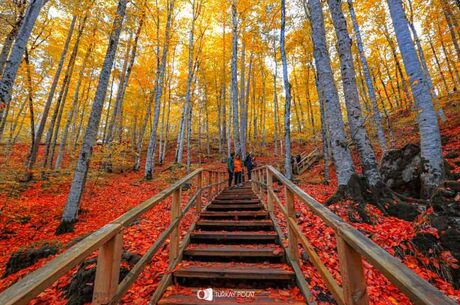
231, 169
250, 163
238, 167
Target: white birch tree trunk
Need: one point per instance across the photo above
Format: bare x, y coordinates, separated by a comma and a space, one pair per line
350, 88
41, 127
287, 90
430, 138
234, 82
367, 75
340, 152
16, 55
150, 160
76, 190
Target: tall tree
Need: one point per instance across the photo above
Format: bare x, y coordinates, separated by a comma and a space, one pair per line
41, 127
367, 75
350, 88
16, 54
430, 138
72, 206
11, 36
234, 80
287, 90
196, 10
340, 151
158, 91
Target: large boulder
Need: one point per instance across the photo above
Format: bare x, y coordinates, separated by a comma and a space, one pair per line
401, 170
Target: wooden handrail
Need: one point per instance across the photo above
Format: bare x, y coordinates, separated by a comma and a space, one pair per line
352, 246
109, 240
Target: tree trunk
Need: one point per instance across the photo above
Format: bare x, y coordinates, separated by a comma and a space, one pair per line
438, 64
16, 55
287, 90
76, 190
324, 132
340, 151
73, 109
150, 160
41, 127
430, 138
367, 76
63, 94
234, 83
196, 7
350, 88
243, 102
10, 38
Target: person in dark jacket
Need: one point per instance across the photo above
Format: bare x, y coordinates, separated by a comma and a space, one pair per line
250, 163
230, 168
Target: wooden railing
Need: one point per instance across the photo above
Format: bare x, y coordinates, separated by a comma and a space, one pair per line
109, 241
352, 247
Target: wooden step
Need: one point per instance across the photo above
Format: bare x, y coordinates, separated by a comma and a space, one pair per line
234, 251
222, 296
230, 225
234, 271
231, 198
243, 201
269, 236
232, 207
233, 214
236, 223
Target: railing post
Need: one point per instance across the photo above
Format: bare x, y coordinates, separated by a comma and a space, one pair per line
352, 271
222, 180
292, 237
269, 190
174, 237
199, 199
108, 270
209, 187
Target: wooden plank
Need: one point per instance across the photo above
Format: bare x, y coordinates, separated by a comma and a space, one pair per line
236, 201
234, 206
34, 283
199, 201
237, 236
233, 271
234, 251
108, 270
234, 214
269, 191
238, 223
293, 248
352, 271
175, 237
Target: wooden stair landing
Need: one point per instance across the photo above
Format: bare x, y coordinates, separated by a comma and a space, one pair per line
234, 250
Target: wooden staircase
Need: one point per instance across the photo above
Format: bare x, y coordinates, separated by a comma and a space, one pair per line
234, 250
306, 161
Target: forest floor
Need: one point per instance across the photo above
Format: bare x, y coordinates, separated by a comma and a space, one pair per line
30, 214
